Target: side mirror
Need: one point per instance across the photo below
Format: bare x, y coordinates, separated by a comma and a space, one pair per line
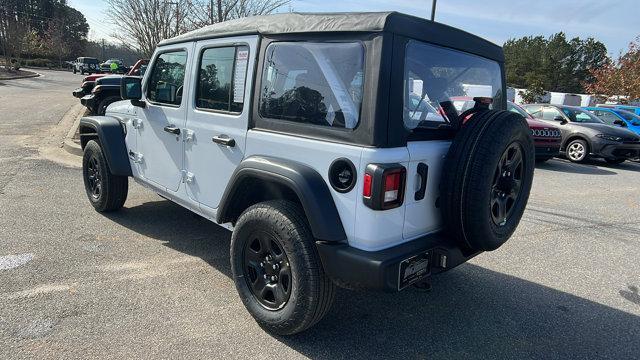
131, 89
561, 119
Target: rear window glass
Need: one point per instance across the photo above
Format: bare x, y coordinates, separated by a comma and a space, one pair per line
440, 84
313, 83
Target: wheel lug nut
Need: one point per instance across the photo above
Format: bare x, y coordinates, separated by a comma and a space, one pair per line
265, 276
274, 278
261, 264
275, 266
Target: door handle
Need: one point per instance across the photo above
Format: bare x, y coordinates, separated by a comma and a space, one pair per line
224, 140
423, 171
172, 129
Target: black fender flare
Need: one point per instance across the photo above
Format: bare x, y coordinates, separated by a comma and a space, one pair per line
110, 133
304, 181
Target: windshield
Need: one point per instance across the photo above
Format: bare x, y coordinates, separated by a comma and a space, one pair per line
90, 61
441, 83
581, 116
633, 118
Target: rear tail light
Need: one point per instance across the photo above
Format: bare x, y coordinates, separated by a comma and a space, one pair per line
384, 186
366, 190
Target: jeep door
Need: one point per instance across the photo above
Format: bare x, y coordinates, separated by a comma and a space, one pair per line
218, 115
160, 121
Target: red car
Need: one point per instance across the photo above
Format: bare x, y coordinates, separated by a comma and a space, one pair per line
89, 81
546, 137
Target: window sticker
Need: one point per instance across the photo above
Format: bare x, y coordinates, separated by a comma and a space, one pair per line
240, 74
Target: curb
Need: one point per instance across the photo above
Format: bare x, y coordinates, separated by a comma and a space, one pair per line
32, 75
69, 144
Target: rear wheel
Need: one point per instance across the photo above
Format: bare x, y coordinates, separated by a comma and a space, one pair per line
277, 270
577, 151
106, 192
486, 185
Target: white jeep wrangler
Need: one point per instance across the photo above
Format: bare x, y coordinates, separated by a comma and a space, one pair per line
331, 147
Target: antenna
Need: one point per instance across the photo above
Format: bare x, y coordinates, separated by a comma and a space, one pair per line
433, 10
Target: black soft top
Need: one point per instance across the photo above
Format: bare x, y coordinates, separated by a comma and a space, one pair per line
362, 22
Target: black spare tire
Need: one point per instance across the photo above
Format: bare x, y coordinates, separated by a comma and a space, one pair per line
486, 179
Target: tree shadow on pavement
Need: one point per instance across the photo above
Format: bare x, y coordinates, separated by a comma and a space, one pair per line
561, 165
472, 312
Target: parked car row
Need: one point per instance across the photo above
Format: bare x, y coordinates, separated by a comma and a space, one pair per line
100, 90
91, 65
586, 135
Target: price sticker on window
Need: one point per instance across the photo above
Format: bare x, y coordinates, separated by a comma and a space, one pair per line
240, 75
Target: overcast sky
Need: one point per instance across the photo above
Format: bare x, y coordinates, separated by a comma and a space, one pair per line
614, 22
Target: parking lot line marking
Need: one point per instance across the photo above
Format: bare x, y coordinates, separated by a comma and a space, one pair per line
9, 262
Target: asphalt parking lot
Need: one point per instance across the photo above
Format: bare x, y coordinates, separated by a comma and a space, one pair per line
153, 280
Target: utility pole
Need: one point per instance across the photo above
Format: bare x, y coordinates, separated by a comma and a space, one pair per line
102, 51
433, 10
211, 12
220, 10
177, 14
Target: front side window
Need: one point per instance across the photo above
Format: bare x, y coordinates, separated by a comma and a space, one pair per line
441, 83
167, 78
221, 78
550, 113
313, 83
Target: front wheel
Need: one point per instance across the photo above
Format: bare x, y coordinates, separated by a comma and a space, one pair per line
577, 151
106, 192
277, 269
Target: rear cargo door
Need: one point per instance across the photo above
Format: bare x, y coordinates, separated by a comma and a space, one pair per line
422, 214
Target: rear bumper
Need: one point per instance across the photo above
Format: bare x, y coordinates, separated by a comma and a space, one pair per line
79, 92
88, 101
380, 270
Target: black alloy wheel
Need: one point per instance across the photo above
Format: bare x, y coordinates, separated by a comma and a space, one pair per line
267, 271
94, 178
507, 182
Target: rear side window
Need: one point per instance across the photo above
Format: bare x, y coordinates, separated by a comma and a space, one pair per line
167, 78
221, 79
313, 83
441, 83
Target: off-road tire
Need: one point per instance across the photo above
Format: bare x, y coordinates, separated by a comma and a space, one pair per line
615, 161
311, 291
580, 144
467, 183
113, 189
102, 107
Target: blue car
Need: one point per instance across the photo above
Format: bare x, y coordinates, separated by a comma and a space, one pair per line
617, 117
629, 108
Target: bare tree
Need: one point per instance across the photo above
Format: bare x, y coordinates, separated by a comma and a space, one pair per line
142, 24
13, 31
58, 46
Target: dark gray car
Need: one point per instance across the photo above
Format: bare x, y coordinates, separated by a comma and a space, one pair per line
584, 135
